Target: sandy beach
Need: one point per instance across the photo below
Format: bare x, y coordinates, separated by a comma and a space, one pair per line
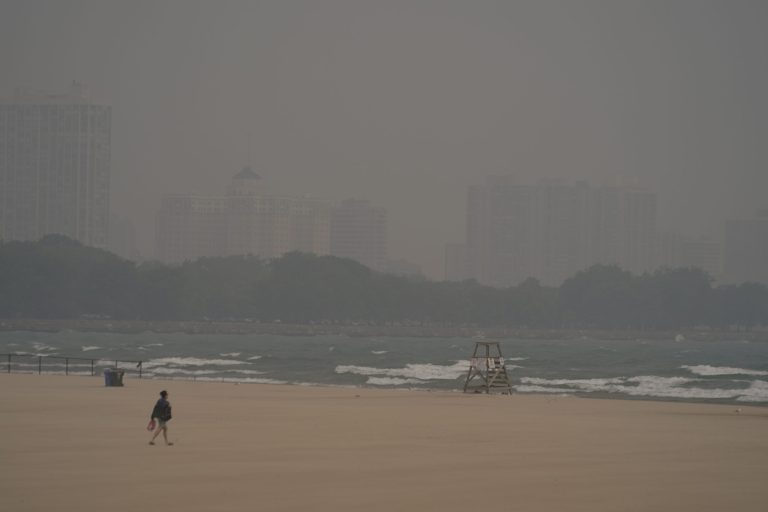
69, 443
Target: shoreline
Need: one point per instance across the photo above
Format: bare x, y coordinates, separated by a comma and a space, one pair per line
350, 330
283, 448
131, 375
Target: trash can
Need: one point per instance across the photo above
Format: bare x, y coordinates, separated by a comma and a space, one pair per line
113, 377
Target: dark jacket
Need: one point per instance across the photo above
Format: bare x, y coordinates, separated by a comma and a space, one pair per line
162, 410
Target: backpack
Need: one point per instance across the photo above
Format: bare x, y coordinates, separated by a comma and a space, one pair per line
162, 410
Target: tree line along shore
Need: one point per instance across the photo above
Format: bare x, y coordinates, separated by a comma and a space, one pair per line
57, 281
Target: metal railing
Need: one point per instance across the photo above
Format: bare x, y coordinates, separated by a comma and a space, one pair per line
31, 363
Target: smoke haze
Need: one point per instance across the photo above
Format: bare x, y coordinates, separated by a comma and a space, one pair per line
408, 103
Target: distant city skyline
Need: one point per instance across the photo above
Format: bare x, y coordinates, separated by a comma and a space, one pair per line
408, 104
552, 229
247, 219
55, 169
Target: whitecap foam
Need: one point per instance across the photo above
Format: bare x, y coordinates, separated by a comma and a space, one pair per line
231, 354
190, 361
672, 387
379, 352
88, 348
421, 372
247, 380
574, 384
644, 386
711, 371
181, 371
757, 392
148, 345
541, 389
391, 381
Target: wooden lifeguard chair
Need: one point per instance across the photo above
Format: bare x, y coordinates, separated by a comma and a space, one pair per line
487, 368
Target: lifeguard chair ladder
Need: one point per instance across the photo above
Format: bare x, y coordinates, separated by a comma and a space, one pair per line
487, 370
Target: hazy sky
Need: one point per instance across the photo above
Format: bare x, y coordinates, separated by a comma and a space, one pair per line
406, 103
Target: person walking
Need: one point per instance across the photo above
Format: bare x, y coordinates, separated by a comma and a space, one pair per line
161, 413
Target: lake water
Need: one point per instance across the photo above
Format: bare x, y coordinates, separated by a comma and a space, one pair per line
721, 371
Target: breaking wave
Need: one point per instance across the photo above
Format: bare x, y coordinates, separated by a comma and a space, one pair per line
191, 361
391, 381
414, 373
710, 371
645, 386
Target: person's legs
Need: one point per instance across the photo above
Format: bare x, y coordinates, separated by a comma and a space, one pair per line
160, 427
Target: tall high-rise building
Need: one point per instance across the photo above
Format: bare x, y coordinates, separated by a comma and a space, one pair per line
557, 231
359, 232
746, 249
675, 250
605, 222
477, 233
55, 166
244, 221
456, 262
508, 244
190, 226
551, 230
639, 230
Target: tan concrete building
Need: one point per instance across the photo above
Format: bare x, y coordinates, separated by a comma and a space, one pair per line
244, 221
551, 230
55, 152
677, 250
359, 232
746, 249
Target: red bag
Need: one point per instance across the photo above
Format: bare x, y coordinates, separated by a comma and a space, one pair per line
151, 425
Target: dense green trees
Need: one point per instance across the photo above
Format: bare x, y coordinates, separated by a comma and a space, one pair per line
600, 296
59, 278
608, 297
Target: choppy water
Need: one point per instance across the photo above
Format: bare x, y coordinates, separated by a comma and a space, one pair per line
731, 372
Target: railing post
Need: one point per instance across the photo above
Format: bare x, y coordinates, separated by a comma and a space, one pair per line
9, 364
